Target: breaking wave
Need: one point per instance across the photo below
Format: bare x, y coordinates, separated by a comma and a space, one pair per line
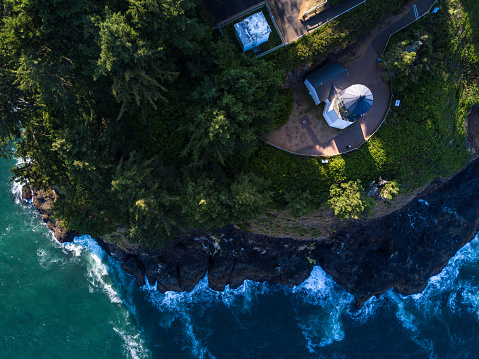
105, 276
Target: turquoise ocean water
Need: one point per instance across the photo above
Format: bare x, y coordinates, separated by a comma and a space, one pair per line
73, 301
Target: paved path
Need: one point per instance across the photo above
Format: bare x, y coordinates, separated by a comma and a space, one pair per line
365, 71
292, 27
305, 123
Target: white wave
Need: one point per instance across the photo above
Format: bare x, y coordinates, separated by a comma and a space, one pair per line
423, 201
470, 297
177, 306
320, 286
16, 187
46, 258
447, 280
149, 287
451, 302
245, 294
133, 345
97, 270
197, 348
16, 190
74, 249
89, 243
369, 309
405, 317
329, 303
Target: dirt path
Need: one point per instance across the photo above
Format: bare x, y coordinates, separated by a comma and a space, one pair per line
364, 70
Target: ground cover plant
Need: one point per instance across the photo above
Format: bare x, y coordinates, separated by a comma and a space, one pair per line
422, 139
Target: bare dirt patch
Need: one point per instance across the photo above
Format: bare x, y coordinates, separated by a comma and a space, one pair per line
322, 223
291, 136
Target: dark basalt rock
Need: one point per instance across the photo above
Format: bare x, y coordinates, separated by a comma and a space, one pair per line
27, 194
401, 250
133, 266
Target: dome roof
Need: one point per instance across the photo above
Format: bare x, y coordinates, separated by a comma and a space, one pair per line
357, 99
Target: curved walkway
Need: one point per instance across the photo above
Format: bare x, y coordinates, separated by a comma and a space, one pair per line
365, 71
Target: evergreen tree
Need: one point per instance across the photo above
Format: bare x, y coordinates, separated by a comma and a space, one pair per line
348, 200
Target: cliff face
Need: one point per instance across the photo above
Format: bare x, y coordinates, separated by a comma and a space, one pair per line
401, 250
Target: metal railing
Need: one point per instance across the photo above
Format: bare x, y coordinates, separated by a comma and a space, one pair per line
314, 8
402, 28
274, 22
386, 114
318, 27
237, 16
350, 150
269, 51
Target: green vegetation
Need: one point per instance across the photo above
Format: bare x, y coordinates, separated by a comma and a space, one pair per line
348, 200
407, 59
390, 190
333, 37
423, 138
146, 121
134, 111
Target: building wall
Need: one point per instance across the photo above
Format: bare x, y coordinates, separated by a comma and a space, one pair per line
332, 118
248, 46
312, 92
239, 40
262, 39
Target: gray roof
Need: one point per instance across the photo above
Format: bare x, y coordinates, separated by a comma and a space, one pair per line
333, 74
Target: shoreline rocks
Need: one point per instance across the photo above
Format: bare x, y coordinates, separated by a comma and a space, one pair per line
401, 250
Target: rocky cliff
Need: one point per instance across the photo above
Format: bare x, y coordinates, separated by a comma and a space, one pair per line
368, 257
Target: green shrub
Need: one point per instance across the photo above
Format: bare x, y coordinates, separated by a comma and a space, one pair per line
300, 204
348, 200
390, 190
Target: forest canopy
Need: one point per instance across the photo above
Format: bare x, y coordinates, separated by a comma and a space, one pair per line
133, 110
146, 121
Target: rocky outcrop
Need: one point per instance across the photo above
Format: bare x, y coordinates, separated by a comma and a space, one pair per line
43, 200
401, 250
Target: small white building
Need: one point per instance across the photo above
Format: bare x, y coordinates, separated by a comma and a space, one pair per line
252, 31
343, 104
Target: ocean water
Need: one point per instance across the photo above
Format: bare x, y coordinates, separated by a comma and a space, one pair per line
73, 301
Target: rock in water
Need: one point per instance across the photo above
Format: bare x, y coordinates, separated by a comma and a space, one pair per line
26, 192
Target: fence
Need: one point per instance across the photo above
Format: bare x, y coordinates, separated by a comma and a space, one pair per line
341, 153
237, 16
274, 22
319, 26
269, 51
283, 42
402, 28
314, 8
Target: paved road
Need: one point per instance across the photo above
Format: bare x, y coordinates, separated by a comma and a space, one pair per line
292, 28
365, 71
